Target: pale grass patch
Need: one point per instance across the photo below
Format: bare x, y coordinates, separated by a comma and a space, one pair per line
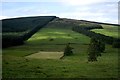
46, 55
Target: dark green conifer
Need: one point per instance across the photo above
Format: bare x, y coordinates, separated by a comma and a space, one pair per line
68, 50
92, 50
96, 47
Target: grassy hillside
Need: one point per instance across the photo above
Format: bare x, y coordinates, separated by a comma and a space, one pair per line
54, 39
108, 30
41, 41
70, 67
59, 36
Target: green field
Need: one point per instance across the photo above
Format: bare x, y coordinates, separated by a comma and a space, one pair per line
16, 65
108, 30
45, 55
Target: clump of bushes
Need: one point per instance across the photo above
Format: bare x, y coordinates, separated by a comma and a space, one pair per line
68, 50
69, 35
76, 38
96, 47
51, 39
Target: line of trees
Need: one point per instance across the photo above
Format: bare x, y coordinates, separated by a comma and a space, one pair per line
97, 43
107, 39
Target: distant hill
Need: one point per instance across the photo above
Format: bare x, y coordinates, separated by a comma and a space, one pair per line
17, 30
100, 23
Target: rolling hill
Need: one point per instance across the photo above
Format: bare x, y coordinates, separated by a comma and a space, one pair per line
29, 60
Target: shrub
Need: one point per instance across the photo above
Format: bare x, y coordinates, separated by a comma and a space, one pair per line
68, 50
76, 38
51, 39
69, 35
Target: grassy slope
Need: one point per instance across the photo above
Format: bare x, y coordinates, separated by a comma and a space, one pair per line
41, 41
108, 31
16, 65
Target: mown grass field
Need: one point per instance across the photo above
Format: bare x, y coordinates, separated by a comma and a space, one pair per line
109, 30
16, 65
46, 55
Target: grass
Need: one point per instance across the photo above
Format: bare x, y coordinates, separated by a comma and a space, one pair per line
59, 36
108, 30
38, 43
16, 65
70, 67
46, 55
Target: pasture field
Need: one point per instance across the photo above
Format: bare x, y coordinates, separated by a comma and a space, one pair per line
46, 55
16, 65
41, 41
109, 30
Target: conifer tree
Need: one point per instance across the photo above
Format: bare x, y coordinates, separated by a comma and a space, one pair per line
93, 50
96, 47
68, 50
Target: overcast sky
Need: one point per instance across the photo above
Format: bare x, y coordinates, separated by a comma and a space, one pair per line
94, 10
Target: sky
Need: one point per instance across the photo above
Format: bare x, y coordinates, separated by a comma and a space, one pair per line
92, 10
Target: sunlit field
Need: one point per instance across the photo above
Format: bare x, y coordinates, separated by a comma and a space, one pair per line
108, 30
